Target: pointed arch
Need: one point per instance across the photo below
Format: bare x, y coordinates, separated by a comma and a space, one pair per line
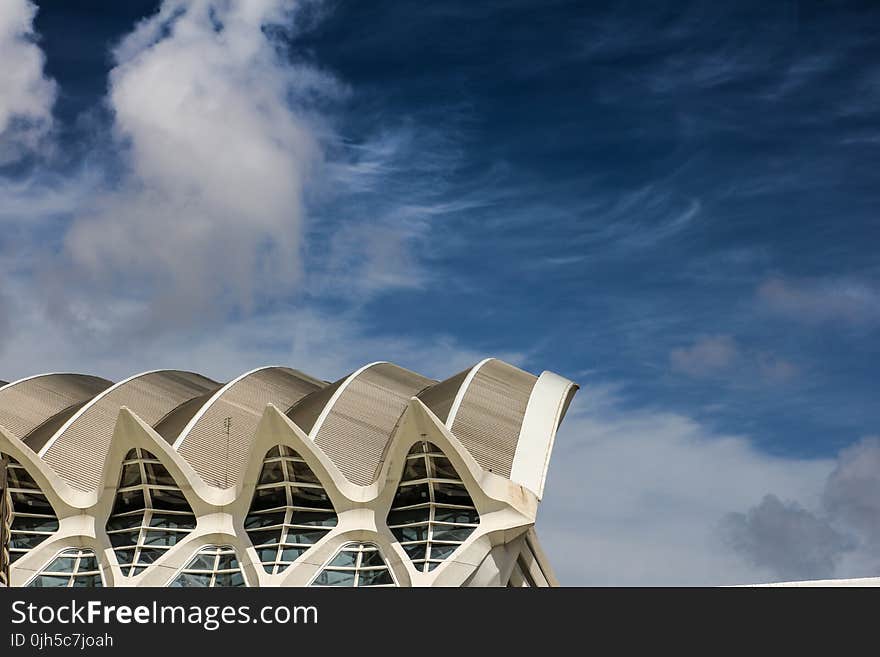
358, 565
290, 510
73, 567
150, 513
212, 566
29, 517
432, 512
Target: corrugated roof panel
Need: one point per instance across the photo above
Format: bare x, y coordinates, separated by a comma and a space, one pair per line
78, 452
218, 444
27, 404
439, 397
491, 414
357, 429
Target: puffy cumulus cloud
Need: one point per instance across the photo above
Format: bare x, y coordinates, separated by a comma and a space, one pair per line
638, 496
852, 497
635, 496
792, 542
219, 142
26, 94
840, 537
845, 301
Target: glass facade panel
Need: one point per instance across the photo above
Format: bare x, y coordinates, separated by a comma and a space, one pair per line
291, 500
26, 515
356, 564
150, 513
212, 566
74, 567
432, 512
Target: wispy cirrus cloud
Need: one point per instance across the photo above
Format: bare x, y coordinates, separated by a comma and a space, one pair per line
820, 301
722, 356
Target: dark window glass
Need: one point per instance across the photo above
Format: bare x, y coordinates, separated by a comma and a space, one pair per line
25, 541
416, 551
158, 475
131, 475
19, 478
31, 503
302, 473
441, 551
292, 553
34, 524
374, 578
421, 503
132, 500
451, 494
312, 498
124, 522
167, 521
170, 500
149, 556
313, 518
415, 469
167, 539
287, 503
263, 537
272, 473
192, 579
412, 533
409, 516
335, 578
256, 520
412, 494
306, 536
269, 498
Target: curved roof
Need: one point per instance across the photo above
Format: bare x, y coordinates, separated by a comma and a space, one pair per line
484, 407
439, 398
359, 420
78, 449
505, 417
490, 415
28, 404
217, 439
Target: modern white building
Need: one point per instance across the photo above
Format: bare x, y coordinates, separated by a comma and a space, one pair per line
276, 478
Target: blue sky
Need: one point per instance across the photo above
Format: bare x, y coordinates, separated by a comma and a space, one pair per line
673, 204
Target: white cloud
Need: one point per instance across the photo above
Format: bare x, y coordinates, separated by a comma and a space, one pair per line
708, 355
219, 146
324, 345
819, 301
636, 496
722, 356
26, 95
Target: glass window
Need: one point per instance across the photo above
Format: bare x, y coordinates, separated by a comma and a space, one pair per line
432, 512
150, 514
272, 473
28, 518
71, 568
212, 566
356, 564
288, 494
